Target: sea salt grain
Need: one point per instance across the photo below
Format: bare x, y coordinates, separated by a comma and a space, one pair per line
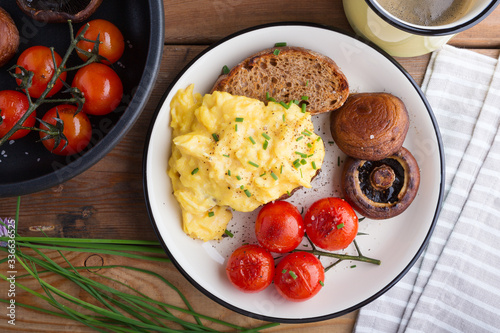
372, 136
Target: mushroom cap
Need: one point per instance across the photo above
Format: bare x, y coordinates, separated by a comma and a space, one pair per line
381, 189
9, 42
370, 126
59, 10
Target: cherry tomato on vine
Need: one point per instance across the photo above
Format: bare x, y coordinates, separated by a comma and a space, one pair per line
101, 86
250, 268
38, 59
331, 223
77, 130
279, 227
13, 105
299, 276
111, 40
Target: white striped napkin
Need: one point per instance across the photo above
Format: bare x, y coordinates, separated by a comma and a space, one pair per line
455, 284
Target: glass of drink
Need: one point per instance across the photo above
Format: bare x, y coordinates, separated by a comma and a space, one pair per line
407, 28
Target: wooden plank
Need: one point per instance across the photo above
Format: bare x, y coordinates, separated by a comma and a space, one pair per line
32, 321
198, 22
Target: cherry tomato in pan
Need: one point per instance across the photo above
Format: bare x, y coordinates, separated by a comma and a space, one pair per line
331, 223
111, 40
38, 59
299, 276
13, 105
77, 130
250, 268
101, 86
279, 227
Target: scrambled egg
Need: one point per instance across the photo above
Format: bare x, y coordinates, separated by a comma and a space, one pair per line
234, 152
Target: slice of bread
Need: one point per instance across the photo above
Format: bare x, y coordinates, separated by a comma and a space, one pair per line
286, 74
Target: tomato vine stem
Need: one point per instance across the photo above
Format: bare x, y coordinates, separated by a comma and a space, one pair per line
77, 96
340, 256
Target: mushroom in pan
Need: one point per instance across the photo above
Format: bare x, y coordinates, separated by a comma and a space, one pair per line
370, 126
381, 189
59, 10
10, 37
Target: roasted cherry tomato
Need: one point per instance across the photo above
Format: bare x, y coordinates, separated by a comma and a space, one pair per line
279, 227
77, 130
299, 276
331, 223
101, 87
38, 59
13, 105
250, 268
111, 40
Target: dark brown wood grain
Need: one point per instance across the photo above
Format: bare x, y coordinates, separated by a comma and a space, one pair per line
107, 200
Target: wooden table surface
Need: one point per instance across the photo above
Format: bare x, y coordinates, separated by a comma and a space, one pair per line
107, 201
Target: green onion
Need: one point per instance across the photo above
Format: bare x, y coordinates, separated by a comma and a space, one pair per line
304, 98
303, 108
215, 136
229, 233
253, 164
276, 52
293, 275
239, 120
265, 144
313, 165
251, 140
274, 175
299, 138
283, 271
307, 132
195, 171
225, 155
107, 309
263, 174
301, 154
283, 104
303, 162
340, 225
281, 169
269, 98
353, 266
225, 69
247, 192
229, 172
321, 283
280, 44
236, 127
266, 136
283, 117
210, 214
238, 177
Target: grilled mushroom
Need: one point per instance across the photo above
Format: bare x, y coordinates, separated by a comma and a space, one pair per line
59, 10
10, 37
370, 126
381, 189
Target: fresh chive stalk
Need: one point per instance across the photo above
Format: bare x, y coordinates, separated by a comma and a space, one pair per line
107, 307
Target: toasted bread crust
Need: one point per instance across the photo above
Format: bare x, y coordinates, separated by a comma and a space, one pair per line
289, 75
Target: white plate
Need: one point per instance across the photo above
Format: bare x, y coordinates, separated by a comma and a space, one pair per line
397, 242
